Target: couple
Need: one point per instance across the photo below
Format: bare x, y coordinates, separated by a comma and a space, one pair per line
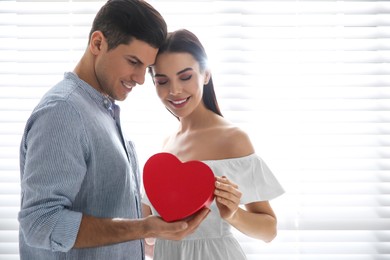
80, 182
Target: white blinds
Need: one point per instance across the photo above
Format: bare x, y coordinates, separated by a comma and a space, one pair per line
308, 80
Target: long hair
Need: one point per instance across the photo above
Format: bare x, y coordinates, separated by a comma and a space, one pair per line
121, 21
184, 41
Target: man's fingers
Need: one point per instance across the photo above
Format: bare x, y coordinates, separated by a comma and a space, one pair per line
199, 217
192, 223
180, 229
175, 227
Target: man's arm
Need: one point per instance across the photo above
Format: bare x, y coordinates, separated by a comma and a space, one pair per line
95, 232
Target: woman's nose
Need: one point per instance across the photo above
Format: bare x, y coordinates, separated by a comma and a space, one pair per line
175, 89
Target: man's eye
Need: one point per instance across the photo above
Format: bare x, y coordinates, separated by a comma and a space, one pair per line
133, 62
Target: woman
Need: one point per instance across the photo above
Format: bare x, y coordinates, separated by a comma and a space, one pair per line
184, 84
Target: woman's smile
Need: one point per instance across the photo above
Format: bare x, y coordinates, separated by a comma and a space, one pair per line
178, 103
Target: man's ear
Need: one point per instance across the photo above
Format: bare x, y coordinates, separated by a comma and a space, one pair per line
97, 42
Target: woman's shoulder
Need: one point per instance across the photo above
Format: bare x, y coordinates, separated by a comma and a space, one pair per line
235, 142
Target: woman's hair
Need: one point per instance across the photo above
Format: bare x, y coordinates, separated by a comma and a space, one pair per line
122, 20
184, 41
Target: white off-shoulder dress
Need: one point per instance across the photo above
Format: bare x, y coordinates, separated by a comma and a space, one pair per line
213, 239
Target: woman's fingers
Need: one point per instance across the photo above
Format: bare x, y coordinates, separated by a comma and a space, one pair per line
227, 190
225, 180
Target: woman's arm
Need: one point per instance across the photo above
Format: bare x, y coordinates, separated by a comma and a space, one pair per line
257, 220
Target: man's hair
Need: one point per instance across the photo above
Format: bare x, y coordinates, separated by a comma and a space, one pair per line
122, 20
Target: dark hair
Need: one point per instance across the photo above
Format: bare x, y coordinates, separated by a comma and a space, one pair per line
185, 41
122, 20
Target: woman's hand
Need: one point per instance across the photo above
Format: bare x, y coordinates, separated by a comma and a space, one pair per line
227, 197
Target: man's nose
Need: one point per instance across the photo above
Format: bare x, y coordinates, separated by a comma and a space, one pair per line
139, 76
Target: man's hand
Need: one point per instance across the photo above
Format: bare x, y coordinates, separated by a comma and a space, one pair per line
177, 230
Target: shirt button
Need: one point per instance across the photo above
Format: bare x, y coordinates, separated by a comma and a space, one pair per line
106, 103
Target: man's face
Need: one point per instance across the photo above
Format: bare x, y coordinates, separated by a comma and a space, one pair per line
118, 70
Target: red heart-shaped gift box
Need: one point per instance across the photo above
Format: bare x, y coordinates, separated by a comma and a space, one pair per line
177, 189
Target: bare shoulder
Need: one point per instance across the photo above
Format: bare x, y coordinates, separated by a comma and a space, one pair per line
165, 141
235, 142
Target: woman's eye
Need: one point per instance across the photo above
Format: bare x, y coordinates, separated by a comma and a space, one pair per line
186, 77
161, 82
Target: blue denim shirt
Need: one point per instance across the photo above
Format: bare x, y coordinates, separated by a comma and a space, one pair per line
74, 160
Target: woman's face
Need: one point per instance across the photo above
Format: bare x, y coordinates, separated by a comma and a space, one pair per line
179, 82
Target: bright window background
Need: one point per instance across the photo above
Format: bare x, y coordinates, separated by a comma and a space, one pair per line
308, 80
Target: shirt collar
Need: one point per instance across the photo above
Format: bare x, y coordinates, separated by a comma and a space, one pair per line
99, 98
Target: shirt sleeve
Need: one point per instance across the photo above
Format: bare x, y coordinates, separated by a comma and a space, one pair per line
54, 149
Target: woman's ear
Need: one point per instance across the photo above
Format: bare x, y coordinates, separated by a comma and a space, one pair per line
207, 77
97, 41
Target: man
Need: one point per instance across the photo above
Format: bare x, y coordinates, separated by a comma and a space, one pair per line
79, 176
